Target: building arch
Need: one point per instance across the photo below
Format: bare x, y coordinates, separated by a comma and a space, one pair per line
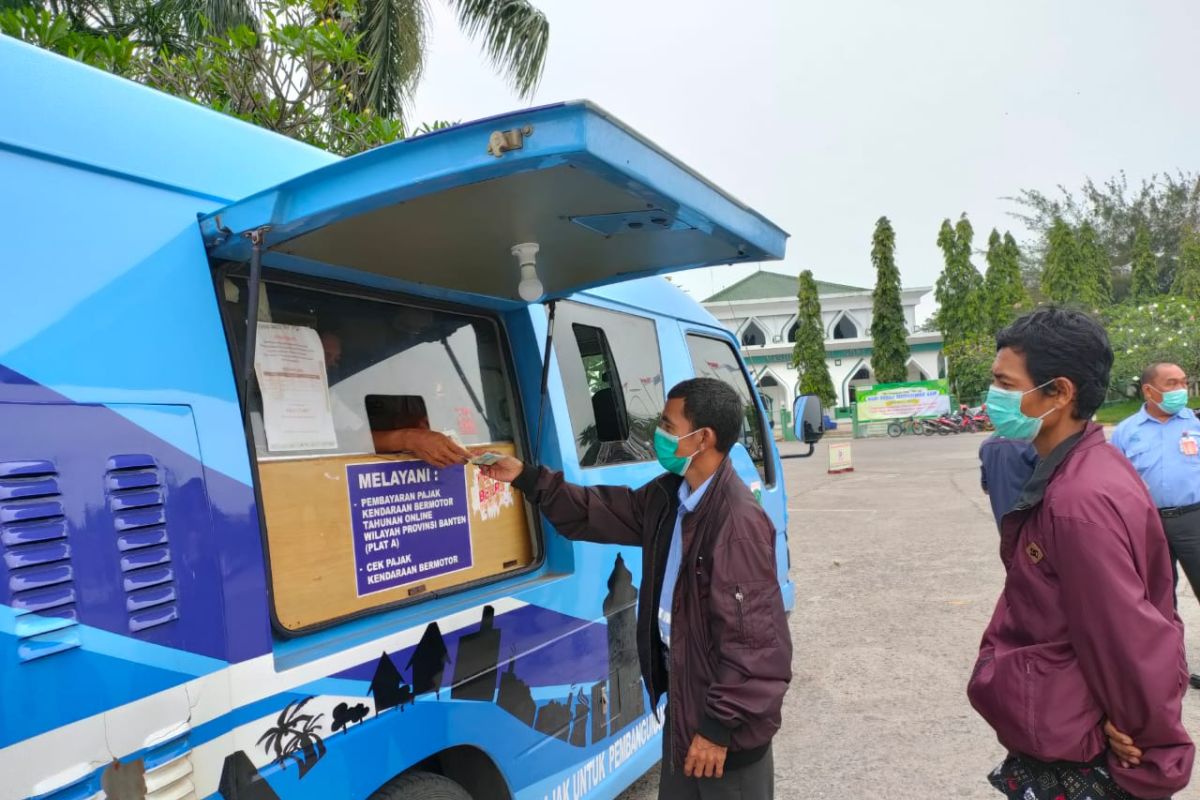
788, 329
859, 374
915, 371
773, 391
845, 325
752, 333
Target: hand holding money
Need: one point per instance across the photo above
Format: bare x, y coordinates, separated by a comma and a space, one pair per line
505, 470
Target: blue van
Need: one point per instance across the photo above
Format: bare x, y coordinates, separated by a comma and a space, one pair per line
219, 578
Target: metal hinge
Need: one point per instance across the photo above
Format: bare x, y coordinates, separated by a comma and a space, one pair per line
500, 142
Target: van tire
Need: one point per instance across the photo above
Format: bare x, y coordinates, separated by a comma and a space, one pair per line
421, 786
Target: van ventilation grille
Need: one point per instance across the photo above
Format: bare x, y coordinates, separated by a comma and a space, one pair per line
169, 771
136, 499
37, 558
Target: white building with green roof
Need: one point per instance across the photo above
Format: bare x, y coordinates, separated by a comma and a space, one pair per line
761, 311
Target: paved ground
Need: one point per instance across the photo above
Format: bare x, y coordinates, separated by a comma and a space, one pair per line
897, 572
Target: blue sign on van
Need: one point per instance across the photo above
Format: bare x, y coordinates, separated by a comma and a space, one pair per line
409, 521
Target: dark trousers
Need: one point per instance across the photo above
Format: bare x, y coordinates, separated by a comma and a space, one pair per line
1183, 538
752, 782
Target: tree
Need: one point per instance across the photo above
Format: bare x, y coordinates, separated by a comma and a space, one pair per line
1063, 278
961, 314
1004, 294
970, 364
514, 35
278, 63
808, 354
1166, 329
960, 308
889, 337
1096, 271
1187, 274
295, 737
1165, 205
290, 76
1144, 280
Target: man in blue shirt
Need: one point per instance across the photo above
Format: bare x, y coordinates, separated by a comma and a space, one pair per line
1004, 468
688, 500
1162, 441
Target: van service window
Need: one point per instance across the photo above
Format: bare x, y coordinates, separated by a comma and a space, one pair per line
613, 379
351, 525
715, 358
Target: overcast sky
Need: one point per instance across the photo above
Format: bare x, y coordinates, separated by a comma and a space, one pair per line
823, 116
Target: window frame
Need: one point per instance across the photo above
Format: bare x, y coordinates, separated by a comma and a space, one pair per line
770, 476
624, 404
521, 440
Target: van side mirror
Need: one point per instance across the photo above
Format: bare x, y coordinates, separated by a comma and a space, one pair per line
808, 422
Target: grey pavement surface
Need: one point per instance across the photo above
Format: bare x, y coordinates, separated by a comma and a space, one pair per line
897, 571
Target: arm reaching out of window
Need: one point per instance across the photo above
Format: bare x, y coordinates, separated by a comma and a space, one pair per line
436, 448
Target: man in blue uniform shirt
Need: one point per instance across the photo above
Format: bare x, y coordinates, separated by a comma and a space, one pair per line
1005, 466
1162, 441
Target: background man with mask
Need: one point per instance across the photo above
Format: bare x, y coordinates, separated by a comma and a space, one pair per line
1162, 441
1084, 640
709, 595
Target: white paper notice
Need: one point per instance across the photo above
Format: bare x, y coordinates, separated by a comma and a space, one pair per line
290, 365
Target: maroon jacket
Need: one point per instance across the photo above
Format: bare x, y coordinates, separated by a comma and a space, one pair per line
1086, 628
731, 654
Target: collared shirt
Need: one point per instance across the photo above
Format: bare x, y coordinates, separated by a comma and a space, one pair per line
1165, 453
688, 500
1004, 467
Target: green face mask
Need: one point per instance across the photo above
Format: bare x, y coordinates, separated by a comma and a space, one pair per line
1174, 401
665, 445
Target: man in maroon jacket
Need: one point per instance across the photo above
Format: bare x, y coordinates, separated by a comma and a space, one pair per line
711, 632
1085, 638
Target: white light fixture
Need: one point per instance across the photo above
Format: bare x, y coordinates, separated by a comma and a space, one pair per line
530, 288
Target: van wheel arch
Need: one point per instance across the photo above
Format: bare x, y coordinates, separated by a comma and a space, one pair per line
466, 769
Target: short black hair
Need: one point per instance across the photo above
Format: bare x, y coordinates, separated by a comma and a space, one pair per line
1061, 343
1151, 371
710, 403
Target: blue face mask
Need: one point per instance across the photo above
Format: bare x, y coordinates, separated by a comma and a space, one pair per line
1173, 402
1004, 409
665, 445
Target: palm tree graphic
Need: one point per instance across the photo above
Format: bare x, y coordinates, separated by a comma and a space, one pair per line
295, 736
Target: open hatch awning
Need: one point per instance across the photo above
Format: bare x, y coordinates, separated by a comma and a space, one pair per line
445, 210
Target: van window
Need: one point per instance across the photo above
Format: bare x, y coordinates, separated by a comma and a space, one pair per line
715, 358
613, 379
352, 523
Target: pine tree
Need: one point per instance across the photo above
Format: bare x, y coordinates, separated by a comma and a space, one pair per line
1003, 292
960, 313
1095, 266
889, 338
1063, 278
1187, 273
1145, 267
808, 355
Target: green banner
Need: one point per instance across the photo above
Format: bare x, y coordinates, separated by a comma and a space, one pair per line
886, 401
